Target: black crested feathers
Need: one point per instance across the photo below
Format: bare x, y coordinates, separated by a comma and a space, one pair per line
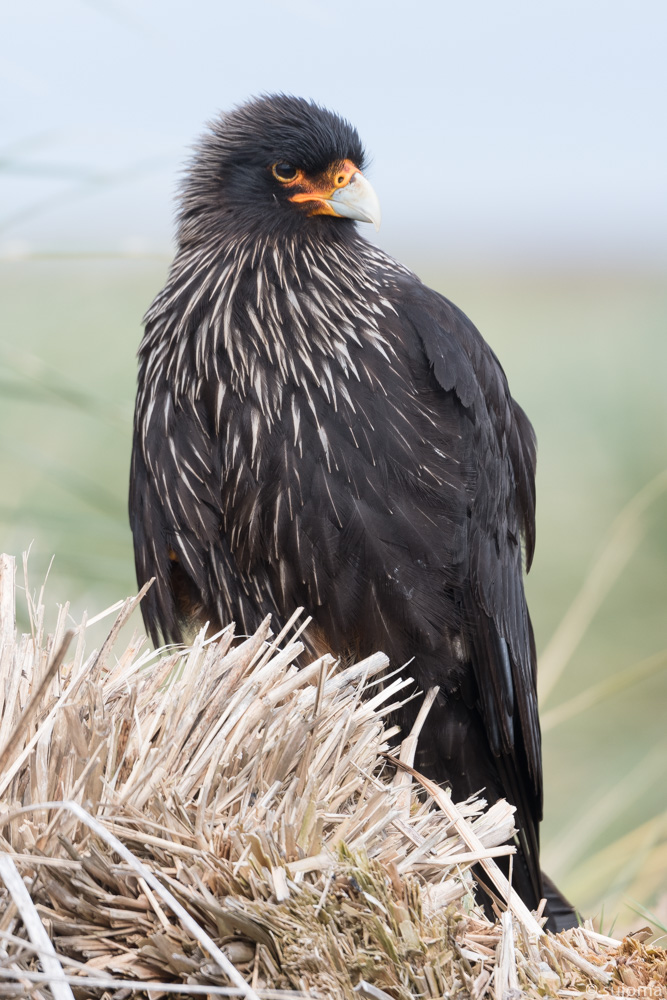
228, 173
286, 128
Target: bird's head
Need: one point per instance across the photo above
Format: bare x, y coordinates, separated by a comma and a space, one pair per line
276, 164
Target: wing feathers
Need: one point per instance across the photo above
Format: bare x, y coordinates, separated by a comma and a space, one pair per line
502, 511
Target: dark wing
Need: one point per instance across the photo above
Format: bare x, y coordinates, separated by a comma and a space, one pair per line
168, 498
502, 514
175, 516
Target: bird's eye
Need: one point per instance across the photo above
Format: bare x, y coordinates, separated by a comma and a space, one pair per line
284, 172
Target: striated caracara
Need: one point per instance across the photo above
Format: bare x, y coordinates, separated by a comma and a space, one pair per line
316, 427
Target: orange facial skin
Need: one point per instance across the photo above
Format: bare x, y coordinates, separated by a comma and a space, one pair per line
320, 188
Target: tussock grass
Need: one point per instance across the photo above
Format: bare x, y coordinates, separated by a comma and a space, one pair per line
211, 820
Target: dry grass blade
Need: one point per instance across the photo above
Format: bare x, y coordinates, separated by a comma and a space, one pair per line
35, 700
145, 986
7, 601
470, 838
53, 971
216, 820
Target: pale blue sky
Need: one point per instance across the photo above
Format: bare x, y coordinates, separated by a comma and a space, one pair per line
515, 130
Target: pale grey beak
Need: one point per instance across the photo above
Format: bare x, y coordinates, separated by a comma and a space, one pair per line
357, 200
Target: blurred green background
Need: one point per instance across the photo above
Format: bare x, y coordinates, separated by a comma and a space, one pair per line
515, 151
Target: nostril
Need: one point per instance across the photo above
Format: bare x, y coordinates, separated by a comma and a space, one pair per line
341, 179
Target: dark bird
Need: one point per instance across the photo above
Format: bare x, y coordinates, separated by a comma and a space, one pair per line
315, 427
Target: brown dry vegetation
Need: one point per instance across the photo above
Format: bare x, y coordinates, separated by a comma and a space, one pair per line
212, 820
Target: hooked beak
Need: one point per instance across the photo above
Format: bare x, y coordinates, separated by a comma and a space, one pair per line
342, 191
357, 200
